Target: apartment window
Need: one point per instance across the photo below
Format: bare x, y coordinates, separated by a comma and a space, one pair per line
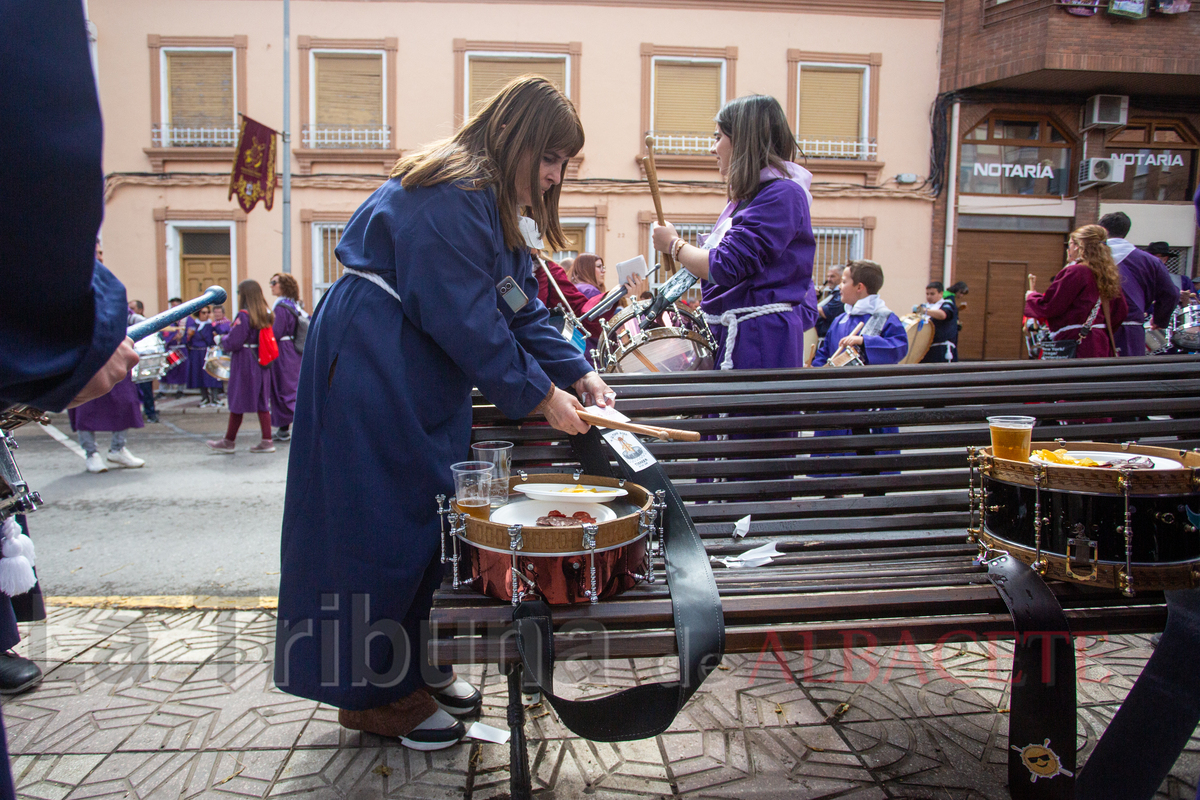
348, 103
1015, 155
835, 247
687, 96
488, 73
1160, 159
198, 100
326, 267
833, 112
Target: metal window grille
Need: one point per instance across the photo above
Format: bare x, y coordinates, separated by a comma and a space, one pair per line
346, 137
835, 247
326, 267
164, 135
860, 150
205, 243
686, 144
1178, 262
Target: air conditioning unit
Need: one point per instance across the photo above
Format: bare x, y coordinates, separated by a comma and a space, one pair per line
1101, 170
1106, 111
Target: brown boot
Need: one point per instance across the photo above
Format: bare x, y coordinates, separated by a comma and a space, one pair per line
415, 720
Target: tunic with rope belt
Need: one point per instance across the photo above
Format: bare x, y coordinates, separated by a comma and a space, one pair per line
765, 259
1066, 304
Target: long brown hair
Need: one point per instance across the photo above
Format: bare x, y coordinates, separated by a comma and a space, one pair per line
251, 300
287, 286
1095, 253
526, 119
584, 270
759, 134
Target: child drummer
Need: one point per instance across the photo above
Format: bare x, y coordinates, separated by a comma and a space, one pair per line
882, 339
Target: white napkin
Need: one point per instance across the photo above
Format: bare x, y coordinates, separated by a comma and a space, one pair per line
741, 527
756, 557
486, 733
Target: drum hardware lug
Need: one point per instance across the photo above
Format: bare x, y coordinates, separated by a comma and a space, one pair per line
1092, 555
442, 510
1039, 476
1125, 580
993, 509
1126, 445
1189, 528
590, 530
973, 498
1124, 583
523, 475
515, 543
660, 504
458, 526
1061, 442
576, 474
646, 526
620, 483
1165, 517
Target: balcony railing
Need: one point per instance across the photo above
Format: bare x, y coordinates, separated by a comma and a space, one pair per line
346, 137
681, 144
176, 136
857, 150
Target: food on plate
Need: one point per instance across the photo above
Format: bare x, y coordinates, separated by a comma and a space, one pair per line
579, 489
557, 519
1063, 456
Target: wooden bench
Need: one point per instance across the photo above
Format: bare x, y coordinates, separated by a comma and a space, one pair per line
872, 525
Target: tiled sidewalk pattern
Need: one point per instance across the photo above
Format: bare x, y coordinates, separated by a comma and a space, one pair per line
166, 704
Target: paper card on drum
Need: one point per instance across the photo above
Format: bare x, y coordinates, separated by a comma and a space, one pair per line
608, 412
629, 449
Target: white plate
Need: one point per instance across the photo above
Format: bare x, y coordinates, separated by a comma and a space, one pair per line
1102, 457
554, 491
526, 512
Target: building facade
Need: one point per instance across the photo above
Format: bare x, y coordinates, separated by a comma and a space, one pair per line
1054, 114
372, 80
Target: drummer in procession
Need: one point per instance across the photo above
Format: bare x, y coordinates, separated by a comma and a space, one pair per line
829, 301
1145, 283
438, 296
756, 265
943, 313
882, 339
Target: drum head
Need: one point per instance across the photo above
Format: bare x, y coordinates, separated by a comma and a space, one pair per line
920, 336
668, 350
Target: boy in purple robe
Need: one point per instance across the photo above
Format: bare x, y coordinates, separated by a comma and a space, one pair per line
1148, 288
117, 411
882, 339
756, 265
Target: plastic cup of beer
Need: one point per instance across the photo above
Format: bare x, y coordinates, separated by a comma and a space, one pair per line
1012, 437
473, 488
499, 455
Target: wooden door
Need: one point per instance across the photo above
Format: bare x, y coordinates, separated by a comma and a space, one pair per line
201, 272
994, 265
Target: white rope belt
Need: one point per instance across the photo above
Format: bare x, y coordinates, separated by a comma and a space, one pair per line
733, 316
374, 278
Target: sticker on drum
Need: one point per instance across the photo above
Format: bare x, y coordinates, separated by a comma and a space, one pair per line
1107, 460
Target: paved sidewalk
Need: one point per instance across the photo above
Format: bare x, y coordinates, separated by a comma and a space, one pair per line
179, 703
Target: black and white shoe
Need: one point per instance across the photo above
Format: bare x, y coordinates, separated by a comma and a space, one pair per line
17, 674
436, 733
457, 697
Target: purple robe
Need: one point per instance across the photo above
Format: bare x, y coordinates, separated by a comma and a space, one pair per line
890, 346
221, 328
588, 291
177, 340
118, 410
1149, 293
1066, 304
249, 382
202, 338
766, 257
285, 370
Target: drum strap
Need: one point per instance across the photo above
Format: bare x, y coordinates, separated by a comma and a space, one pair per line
733, 316
1041, 723
647, 710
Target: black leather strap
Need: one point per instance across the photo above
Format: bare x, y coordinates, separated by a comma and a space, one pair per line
1041, 724
646, 710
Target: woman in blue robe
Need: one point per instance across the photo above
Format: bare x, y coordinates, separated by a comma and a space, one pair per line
383, 406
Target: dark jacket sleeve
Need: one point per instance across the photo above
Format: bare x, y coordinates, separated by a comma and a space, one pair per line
61, 314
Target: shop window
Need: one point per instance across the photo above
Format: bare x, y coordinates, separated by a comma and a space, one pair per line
1160, 160
1011, 155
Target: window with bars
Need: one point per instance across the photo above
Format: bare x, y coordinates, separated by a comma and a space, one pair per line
835, 247
832, 105
488, 73
199, 100
349, 105
326, 267
687, 94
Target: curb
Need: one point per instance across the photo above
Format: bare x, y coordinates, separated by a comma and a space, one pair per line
177, 602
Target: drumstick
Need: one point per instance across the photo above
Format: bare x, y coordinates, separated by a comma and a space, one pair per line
652, 177
812, 353
838, 352
1031, 279
644, 430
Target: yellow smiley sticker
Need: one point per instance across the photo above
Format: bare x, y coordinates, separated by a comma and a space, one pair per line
1041, 761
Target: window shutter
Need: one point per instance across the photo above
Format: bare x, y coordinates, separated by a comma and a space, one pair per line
349, 90
830, 104
200, 87
490, 74
687, 97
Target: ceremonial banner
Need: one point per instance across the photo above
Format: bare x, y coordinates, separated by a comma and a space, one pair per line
253, 176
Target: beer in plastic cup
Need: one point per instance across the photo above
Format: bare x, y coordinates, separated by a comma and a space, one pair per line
1012, 437
473, 488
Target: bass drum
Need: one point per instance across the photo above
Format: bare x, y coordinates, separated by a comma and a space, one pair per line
920, 336
678, 341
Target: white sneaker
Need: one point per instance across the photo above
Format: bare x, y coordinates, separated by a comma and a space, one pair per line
126, 458
95, 463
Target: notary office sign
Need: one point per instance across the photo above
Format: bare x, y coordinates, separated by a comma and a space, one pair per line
983, 170
1151, 159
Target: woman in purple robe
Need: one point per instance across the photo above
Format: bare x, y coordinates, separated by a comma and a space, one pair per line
175, 338
249, 381
756, 265
587, 273
1079, 291
199, 338
285, 370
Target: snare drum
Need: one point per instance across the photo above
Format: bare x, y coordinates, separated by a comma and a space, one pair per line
847, 357
678, 341
577, 564
1186, 333
1157, 342
15, 495
216, 363
154, 359
1128, 529
920, 337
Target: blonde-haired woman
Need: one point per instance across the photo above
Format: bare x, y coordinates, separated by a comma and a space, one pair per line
430, 305
285, 370
1084, 296
249, 381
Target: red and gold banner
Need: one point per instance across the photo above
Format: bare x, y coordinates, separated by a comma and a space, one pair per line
253, 176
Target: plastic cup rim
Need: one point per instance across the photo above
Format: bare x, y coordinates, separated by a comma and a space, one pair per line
1012, 422
469, 467
492, 446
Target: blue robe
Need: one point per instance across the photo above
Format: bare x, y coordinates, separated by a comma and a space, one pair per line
383, 408
889, 347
